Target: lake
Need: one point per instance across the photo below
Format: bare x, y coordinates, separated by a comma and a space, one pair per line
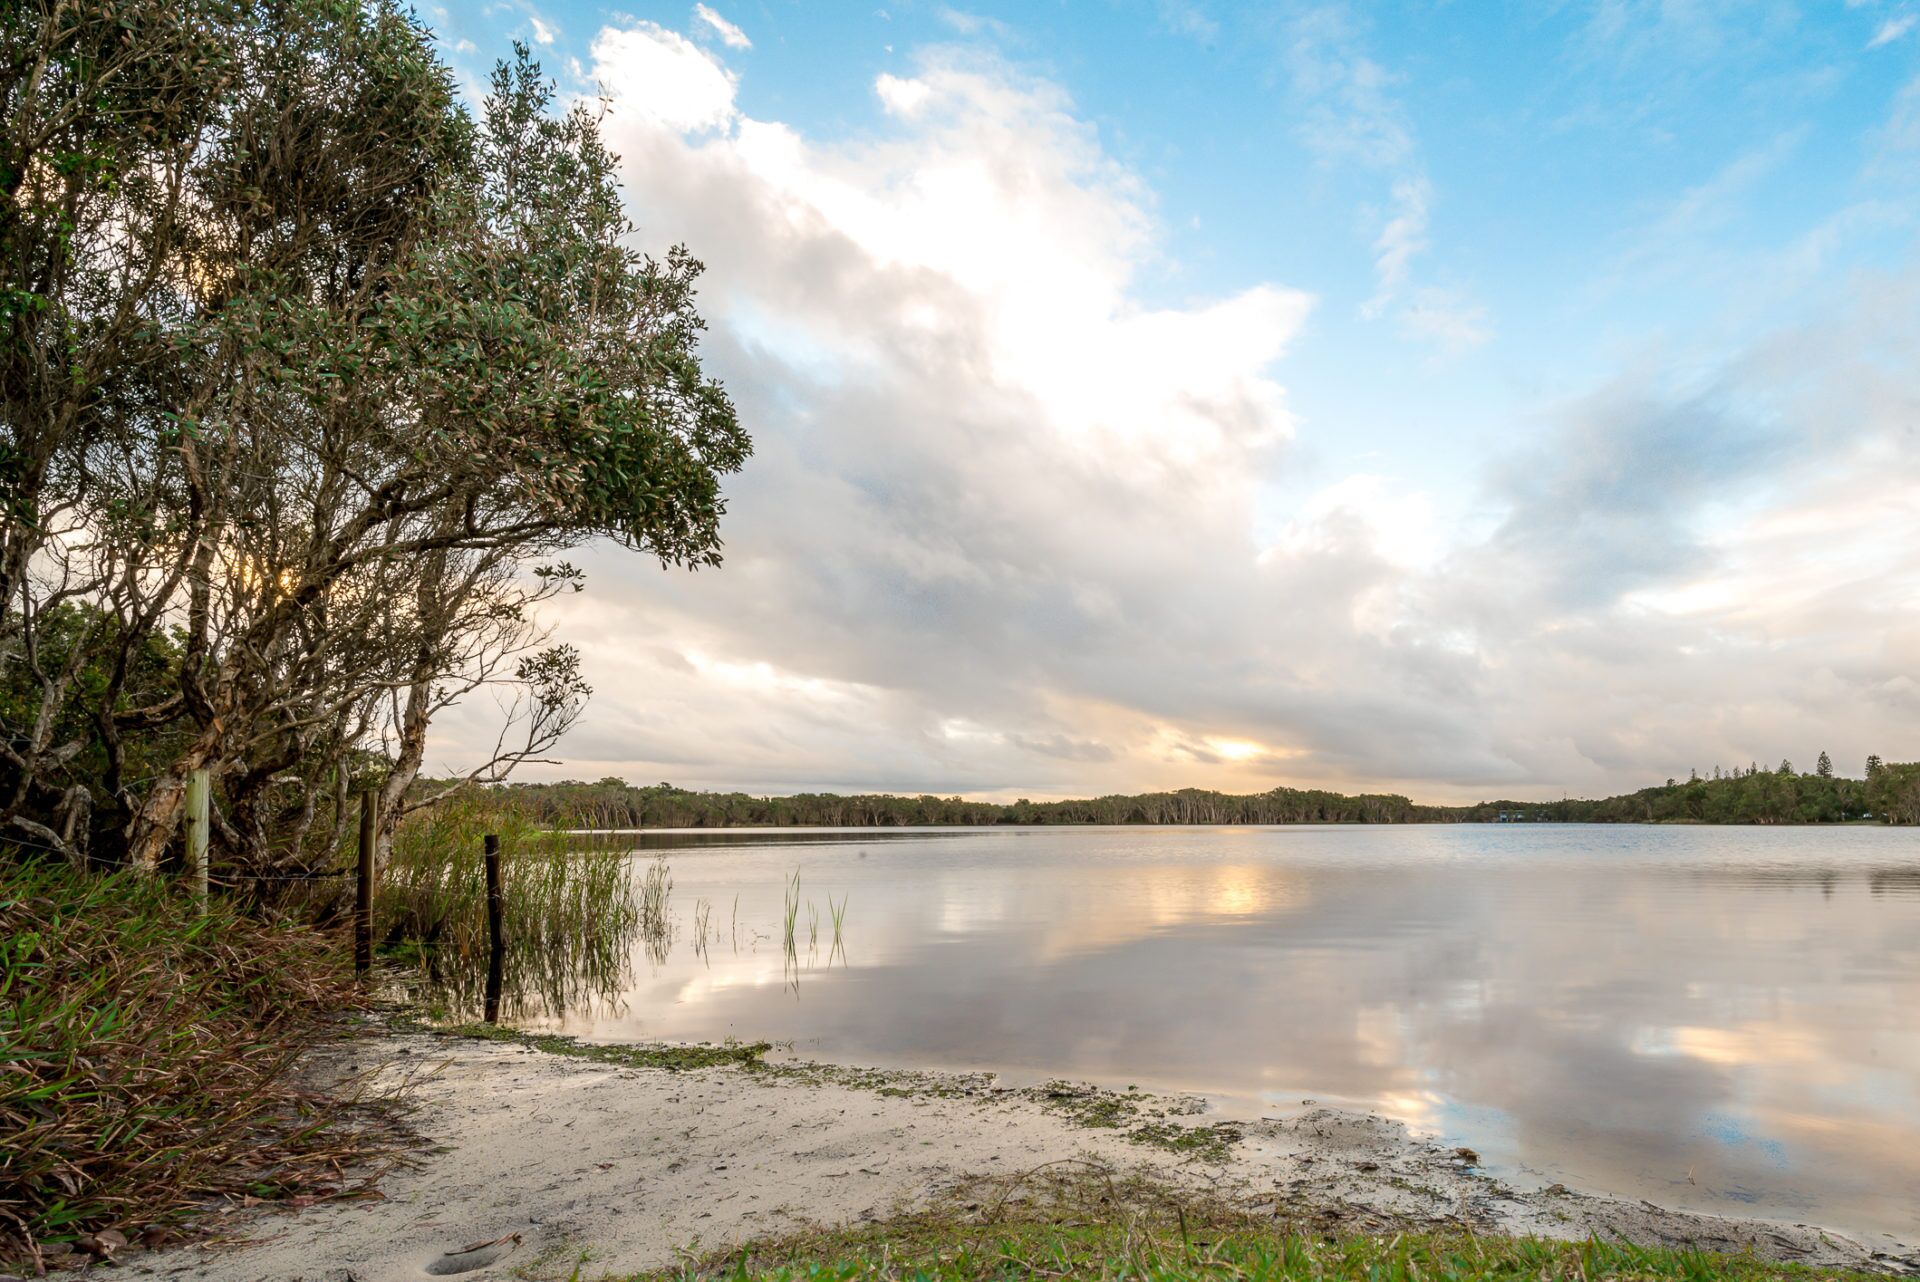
1726, 1019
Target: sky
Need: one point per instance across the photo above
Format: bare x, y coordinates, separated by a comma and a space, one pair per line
1461, 400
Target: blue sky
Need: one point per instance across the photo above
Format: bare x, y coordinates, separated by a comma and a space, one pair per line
1458, 398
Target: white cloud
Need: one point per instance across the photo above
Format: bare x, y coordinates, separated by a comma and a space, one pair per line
1351, 115
1403, 237
902, 97
1187, 19
1892, 29
542, 32
1446, 318
731, 36
663, 77
1008, 526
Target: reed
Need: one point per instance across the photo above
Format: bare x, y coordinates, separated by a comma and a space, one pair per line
792, 909
656, 885
702, 926
571, 907
839, 914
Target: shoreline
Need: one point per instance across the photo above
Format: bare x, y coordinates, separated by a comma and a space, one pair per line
620, 1160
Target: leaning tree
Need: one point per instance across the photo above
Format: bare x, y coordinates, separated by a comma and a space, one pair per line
352, 368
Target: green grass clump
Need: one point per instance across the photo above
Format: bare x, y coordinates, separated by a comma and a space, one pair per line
146, 1051
672, 1058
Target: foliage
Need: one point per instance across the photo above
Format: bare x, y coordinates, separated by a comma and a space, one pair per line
613, 803
145, 1051
1745, 797
311, 372
1893, 792
1753, 796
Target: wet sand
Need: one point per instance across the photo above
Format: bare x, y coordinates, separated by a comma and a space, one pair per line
627, 1168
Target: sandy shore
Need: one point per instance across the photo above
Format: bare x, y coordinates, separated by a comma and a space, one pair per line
627, 1167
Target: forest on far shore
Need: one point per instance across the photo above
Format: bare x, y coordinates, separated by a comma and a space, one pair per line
1887, 792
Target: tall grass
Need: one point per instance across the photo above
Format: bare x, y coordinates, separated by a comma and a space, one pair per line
570, 908
146, 1051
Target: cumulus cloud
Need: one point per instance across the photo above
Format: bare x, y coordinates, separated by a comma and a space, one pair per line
1008, 528
662, 77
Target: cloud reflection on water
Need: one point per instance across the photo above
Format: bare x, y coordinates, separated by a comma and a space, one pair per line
1710, 1017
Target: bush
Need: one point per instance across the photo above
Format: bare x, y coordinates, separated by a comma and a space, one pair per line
146, 1051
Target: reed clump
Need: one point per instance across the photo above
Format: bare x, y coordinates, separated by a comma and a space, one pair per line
146, 1061
570, 907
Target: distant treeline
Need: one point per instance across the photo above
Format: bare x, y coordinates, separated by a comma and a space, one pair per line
1889, 792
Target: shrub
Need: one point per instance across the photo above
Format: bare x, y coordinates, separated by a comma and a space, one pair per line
146, 1051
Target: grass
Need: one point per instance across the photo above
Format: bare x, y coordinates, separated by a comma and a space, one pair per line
839, 914
656, 922
1115, 1253
1141, 1118
792, 911
1080, 1219
146, 1060
674, 1058
571, 907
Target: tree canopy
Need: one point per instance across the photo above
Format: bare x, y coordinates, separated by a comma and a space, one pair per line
1752, 796
311, 373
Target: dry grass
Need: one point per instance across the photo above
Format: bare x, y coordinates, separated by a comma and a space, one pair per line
146, 1061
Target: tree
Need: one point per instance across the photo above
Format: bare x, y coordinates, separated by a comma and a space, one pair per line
385, 361
1786, 767
1873, 764
1824, 766
1894, 794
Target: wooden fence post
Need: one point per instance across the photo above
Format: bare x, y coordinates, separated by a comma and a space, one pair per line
199, 807
496, 943
363, 883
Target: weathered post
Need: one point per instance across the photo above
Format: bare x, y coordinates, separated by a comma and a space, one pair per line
199, 808
496, 943
363, 882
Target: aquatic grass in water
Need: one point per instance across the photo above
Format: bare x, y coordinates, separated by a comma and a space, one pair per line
839, 915
655, 887
702, 926
570, 908
792, 909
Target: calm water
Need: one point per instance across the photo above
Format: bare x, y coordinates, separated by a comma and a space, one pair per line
1723, 1018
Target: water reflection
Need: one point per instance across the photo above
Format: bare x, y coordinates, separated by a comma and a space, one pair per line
1718, 1018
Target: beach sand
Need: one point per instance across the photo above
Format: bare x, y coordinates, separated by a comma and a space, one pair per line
627, 1168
